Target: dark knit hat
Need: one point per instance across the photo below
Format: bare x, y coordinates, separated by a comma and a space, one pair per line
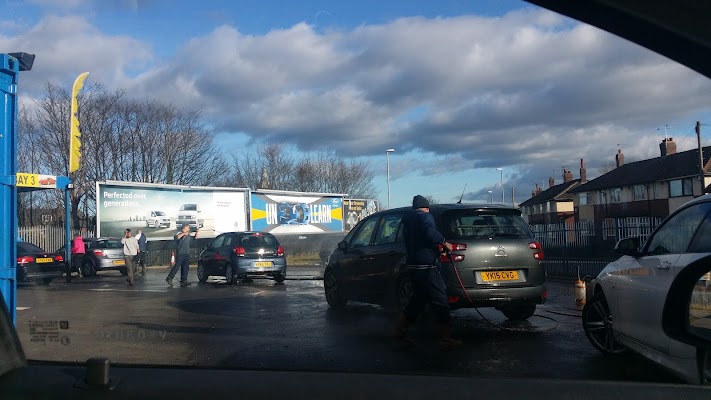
420, 202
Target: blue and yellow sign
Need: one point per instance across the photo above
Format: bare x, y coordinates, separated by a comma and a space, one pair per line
284, 213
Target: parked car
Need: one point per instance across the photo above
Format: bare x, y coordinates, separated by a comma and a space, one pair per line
37, 265
243, 255
497, 258
157, 219
625, 310
190, 214
102, 254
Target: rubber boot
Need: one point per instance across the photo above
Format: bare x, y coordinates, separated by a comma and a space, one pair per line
446, 341
400, 331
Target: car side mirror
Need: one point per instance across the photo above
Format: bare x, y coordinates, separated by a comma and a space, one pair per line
628, 247
342, 245
687, 313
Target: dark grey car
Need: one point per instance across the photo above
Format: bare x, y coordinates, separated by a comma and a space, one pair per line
498, 262
243, 255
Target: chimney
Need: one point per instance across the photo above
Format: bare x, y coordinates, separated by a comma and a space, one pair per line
551, 182
619, 158
533, 192
667, 147
567, 176
538, 190
583, 172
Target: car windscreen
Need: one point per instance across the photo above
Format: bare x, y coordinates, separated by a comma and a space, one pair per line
258, 242
478, 224
160, 214
28, 248
188, 207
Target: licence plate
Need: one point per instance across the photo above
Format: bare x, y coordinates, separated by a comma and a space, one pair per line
43, 260
120, 262
499, 276
263, 264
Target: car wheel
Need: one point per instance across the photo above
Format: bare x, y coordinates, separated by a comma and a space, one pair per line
519, 312
230, 275
279, 277
334, 294
202, 273
88, 268
597, 323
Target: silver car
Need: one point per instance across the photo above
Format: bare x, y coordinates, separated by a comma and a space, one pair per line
628, 297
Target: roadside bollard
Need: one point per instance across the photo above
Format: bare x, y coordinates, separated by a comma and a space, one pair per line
579, 290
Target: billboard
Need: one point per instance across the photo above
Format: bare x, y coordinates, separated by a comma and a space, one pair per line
290, 212
354, 210
159, 210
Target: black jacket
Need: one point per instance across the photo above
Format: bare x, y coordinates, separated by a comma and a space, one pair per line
421, 238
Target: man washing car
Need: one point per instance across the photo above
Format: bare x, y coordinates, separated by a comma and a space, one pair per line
421, 241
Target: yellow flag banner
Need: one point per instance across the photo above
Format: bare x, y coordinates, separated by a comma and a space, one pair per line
75, 132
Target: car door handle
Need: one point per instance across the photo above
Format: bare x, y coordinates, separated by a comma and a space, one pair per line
664, 265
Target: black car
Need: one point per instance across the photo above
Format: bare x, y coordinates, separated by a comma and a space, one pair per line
37, 265
102, 254
498, 262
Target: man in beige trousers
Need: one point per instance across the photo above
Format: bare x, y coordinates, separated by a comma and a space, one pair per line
130, 250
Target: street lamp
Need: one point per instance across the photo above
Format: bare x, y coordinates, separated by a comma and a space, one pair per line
491, 196
502, 184
387, 156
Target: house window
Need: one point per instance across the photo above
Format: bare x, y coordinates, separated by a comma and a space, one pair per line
616, 195
585, 198
658, 190
603, 197
640, 192
680, 187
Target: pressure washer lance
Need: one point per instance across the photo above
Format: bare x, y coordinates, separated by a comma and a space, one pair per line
579, 289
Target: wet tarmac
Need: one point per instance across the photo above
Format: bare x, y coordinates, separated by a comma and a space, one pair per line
265, 325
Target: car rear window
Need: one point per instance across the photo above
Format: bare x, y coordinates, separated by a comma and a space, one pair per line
109, 244
473, 224
259, 241
28, 248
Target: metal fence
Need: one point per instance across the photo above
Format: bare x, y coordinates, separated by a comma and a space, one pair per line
49, 238
588, 246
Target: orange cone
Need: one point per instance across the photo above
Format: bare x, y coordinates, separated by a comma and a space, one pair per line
172, 258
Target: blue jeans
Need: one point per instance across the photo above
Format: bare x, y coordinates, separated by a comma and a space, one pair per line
183, 262
428, 287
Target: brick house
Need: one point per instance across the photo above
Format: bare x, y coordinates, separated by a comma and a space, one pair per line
648, 188
555, 204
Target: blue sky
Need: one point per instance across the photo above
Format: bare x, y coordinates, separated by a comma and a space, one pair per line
458, 88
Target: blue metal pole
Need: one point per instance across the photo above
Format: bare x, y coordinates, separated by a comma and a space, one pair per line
68, 232
9, 70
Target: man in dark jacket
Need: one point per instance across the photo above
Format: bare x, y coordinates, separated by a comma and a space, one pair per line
421, 241
143, 249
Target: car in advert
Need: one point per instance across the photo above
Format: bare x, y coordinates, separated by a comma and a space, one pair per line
243, 256
157, 219
190, 214
37, 265
102, 254
628, 298
498, 262
294, 213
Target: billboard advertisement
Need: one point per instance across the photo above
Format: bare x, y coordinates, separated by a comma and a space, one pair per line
159, 210
354, 210
288, 212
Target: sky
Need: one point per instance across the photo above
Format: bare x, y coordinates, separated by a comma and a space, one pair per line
471, 93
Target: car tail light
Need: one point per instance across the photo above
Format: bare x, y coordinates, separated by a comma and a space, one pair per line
280, 251
538, 254
58, 258
444, 257
25, 259
453, 299
240, 251
99, 253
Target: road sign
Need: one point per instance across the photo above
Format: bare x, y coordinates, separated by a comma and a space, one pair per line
24, 179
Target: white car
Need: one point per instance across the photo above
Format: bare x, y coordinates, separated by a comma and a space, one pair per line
625, 312
157, 219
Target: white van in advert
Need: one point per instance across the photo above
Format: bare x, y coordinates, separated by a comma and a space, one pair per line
157, 219
190, 214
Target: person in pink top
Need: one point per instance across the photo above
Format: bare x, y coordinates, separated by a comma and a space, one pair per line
78, 251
